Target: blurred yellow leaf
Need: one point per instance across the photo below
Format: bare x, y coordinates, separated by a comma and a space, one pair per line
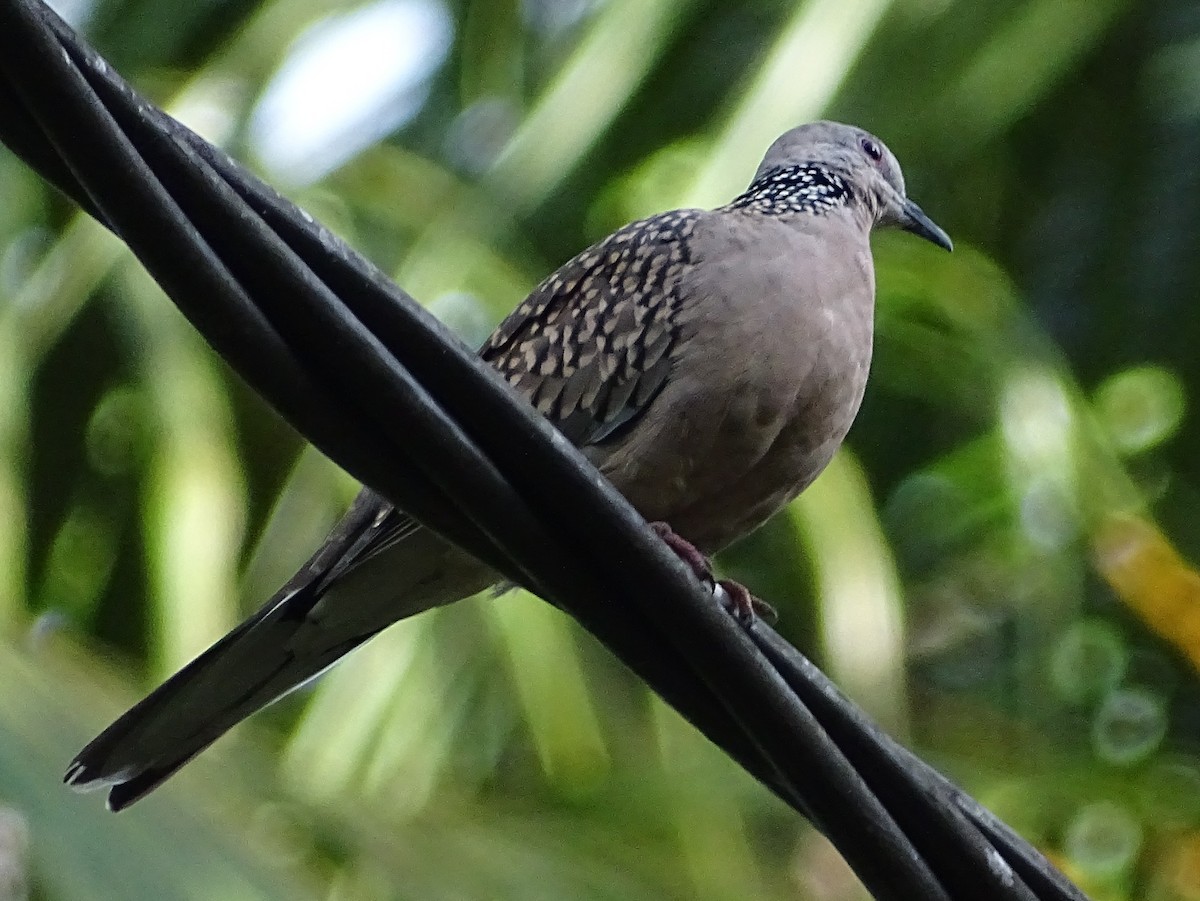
1149, 575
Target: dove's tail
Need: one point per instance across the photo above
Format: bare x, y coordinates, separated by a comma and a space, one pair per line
243, 672
300, 633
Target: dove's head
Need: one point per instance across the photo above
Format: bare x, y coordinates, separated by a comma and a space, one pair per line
830, 163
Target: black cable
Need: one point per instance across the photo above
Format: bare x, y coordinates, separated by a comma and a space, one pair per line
917, 790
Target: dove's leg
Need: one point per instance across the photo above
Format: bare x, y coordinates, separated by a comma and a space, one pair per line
741, 602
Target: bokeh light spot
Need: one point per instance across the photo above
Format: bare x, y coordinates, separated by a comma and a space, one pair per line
1141, 407
1088, 661
1103, 840
1129, 726
114, 433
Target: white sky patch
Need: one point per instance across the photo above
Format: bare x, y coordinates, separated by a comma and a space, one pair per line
348, 81
76, 13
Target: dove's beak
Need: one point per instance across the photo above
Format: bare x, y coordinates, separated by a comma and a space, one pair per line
913, 219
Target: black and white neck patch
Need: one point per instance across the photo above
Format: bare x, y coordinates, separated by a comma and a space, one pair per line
793, 190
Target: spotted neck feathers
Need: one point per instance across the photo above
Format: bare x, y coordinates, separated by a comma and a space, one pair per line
793, 190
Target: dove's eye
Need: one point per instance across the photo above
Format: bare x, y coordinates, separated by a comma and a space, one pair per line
871, 149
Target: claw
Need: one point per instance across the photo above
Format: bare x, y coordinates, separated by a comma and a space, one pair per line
685, 551
736, 596
741, 603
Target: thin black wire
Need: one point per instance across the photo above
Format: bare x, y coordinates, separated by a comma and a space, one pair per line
349, 356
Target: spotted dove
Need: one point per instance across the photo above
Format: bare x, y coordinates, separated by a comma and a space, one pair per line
709, 363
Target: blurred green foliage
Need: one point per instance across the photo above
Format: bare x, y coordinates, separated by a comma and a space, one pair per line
998, 567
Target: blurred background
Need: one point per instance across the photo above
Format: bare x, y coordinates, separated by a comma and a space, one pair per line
999, 566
